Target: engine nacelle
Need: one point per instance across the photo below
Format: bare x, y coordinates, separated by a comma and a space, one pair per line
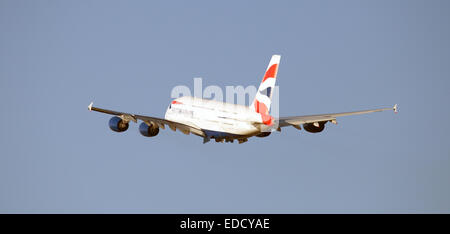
264, 134
310, 127
148, 131
117, 124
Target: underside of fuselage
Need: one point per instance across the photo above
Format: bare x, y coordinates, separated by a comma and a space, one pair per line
224, 136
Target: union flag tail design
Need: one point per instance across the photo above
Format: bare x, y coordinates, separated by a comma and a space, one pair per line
263, 97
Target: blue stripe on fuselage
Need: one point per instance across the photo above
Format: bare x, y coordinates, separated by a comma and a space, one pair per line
219, 135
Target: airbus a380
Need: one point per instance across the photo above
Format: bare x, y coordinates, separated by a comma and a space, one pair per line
226, 121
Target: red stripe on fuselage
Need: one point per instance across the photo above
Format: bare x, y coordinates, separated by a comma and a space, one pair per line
261, 108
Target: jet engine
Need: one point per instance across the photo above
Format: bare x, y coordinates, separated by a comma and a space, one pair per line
148, 130
314, 127
117, 124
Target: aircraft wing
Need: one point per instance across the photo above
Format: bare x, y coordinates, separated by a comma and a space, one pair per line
186, 129
298, 120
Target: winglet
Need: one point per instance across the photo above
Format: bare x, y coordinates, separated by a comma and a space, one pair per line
395, 108
90, 106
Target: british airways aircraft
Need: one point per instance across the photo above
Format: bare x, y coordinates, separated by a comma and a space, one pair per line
226, 121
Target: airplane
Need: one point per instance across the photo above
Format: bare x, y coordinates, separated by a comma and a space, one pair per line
223, 121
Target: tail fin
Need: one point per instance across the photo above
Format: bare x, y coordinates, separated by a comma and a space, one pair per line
263, 97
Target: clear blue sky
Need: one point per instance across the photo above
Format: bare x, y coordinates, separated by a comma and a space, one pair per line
57, 56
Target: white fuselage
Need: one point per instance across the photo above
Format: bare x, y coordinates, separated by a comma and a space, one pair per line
215, 116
